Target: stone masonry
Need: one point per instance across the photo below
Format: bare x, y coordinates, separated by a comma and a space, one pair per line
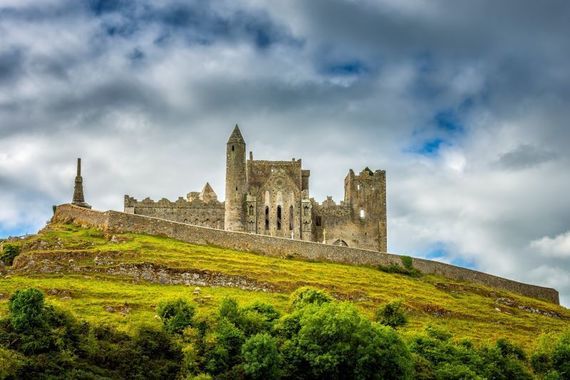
272, 198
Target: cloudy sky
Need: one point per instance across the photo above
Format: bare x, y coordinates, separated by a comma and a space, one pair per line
464, 103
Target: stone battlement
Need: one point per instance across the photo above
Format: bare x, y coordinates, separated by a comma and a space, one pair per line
281, 247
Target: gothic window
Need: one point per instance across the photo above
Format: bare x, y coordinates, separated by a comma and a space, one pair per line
278, 217
318, 221
266, 217
250, 210
306, 211
291, 217
362, 213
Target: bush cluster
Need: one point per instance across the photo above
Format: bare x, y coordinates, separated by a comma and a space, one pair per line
407, 267
9, 253
319, 338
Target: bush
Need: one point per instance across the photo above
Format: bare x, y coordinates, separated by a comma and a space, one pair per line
407, 269
261, 358
257, 318
27, 310
335, 341
392, 314
222, 349
229, 309
176, 315
9, 253
153, 355
503, 362
407, 262
450, 371
308, 296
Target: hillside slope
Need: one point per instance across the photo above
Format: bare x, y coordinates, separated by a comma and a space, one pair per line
119, 279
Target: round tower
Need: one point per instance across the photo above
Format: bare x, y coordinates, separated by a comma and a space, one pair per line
236, 182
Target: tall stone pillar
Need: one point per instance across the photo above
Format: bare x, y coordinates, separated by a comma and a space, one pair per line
78, 197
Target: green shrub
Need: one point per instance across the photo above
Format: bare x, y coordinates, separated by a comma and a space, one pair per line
229, 309
561, 356
261, 358
407, 262
503, 362
152, 354
9, 253
449, 371
222, 349
257, 318
27, 310
176, 315
407, 267
308, 296
392, 314
335, 341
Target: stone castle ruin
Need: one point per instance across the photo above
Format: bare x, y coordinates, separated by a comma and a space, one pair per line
272, 198
268, 211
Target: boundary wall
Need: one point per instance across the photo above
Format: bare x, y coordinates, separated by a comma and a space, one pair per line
120, 222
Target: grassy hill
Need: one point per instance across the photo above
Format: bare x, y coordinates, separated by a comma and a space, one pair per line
119, 280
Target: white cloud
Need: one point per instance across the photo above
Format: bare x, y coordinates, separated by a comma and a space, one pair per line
558, 246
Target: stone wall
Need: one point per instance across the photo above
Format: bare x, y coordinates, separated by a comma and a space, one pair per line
193, 211
284, 248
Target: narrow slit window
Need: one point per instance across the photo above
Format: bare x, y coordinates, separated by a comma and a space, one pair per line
250, 210
266, 217
362, 213
278, 217
291, 218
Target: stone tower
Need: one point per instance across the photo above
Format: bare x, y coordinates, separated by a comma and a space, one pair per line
236, 182
78, 198
366, 194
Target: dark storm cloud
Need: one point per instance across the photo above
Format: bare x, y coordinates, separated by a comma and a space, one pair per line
457, 100
11, 65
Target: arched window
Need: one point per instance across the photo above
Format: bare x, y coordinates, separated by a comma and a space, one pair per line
306, 210
233, 148
362, 213
291, 217
266, 217
250, 210
278, 217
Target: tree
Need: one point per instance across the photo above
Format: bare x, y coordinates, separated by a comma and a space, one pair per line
27, 310
9, 253
176, 315
307, 296
392, 314
334, 341
261, 358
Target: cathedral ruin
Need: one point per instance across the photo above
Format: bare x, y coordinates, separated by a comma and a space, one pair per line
272, 198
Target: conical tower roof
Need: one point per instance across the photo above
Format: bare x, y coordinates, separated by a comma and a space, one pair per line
236, 136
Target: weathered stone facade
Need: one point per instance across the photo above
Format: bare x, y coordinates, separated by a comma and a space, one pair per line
200, 209
272, 198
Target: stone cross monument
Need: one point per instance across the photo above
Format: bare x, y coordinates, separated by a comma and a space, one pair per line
78, 198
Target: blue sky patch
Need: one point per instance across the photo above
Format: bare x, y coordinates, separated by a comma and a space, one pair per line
441, 252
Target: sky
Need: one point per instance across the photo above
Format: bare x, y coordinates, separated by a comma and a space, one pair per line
464, 103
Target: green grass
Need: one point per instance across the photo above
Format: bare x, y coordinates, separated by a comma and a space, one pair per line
467, 310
